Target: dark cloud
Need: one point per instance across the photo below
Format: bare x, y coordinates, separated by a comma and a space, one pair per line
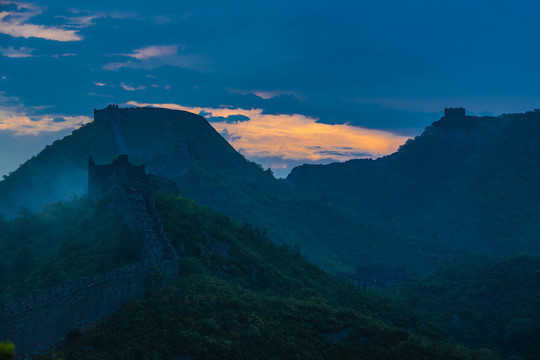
337, 154
386, 64
228, 136
231, 119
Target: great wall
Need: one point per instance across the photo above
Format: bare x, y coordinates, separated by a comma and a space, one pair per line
37, 323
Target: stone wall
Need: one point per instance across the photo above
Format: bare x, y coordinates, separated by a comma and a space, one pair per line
37, 323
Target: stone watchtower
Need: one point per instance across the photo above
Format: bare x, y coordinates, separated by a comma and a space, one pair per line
43, 320
120, 176
129, 189
454, 113
110, 112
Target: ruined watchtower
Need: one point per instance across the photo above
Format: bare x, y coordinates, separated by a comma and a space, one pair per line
108, 113
120, 176
129, 189
41, 321
454, 113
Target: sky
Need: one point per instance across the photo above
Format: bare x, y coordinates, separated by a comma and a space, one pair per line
285, 82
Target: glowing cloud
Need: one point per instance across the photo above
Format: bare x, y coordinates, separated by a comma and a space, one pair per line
22, 52
154, 52
294, 136
25, 125
132, 88
151, 57
15, 23
21, 120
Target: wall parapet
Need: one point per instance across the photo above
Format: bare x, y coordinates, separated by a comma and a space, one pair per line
39, 322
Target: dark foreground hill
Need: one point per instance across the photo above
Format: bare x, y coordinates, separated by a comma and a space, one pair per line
242, 297
185, 148
469, 181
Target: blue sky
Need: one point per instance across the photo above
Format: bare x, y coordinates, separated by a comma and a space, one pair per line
326, 80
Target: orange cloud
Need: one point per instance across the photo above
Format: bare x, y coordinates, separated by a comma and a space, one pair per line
24, 125
295, 136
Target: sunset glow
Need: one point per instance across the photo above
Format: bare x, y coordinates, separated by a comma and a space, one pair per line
24, 125
293, 136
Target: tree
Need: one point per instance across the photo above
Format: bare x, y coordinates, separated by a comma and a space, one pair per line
7, 351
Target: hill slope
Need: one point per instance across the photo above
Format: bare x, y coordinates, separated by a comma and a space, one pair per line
468, 181
493, 303
185, 148
64, 241
241, 297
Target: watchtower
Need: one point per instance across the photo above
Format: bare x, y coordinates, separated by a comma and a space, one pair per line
454, 113
103, 180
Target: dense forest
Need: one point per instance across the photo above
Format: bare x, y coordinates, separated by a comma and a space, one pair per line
491, 303
185, 148
461, 194
241, 297
469, 182
63, 241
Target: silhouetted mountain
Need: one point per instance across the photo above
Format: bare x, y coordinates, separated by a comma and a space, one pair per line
469, 181
184, 148
176, 144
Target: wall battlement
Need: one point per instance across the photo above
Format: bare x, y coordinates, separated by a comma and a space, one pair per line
37, 323
130, 189
110, 112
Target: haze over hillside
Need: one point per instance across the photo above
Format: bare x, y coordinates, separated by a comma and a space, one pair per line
464, 185
463, 189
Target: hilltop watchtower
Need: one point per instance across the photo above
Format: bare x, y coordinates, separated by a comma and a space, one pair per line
454, 113
110, 112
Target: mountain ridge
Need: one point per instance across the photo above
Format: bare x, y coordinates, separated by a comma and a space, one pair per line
468, 181
184, 147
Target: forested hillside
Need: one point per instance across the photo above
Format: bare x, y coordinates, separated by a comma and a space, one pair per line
467, 181
63, 241
492, 303
184, 148
241, 297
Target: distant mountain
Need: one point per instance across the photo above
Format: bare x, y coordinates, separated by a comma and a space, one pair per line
469, 181
186, 149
